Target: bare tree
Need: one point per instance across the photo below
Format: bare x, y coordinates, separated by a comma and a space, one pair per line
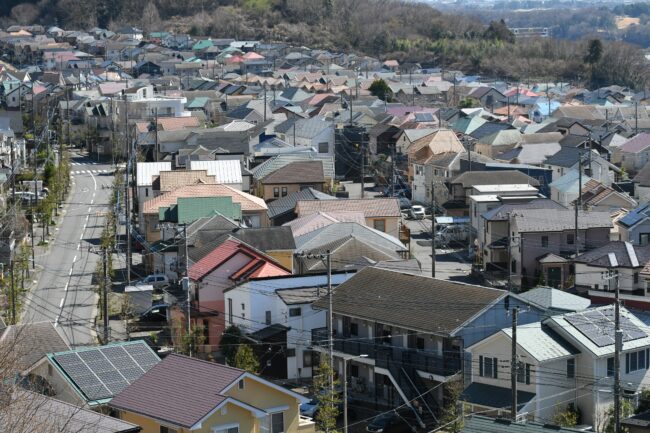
24, 13
150, 18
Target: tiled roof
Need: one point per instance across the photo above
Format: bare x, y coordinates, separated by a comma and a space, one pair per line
32, 341
500, 213
170, 180
288, 203
637, 144
179, 390
248, 202
627, 255
177, 123
550, 220
147, 171
296, 172
410, 301
263, 239
472, 178
371, 207
308, 223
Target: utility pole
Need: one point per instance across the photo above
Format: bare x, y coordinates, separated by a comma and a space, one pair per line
433, 229
509, 245
636, 117
513, 365
187, 282
105, 293
363, 168
13, 289
155, 128
578, 204
264, 102
609, 275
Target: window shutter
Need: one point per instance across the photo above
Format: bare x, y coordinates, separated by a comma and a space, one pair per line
480, 366
627, 363
527, 374
495, 366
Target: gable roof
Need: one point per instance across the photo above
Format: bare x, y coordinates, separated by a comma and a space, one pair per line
30, 342
147, 171
264, 239
643, 176
483, 424
637, 144
635, 216
314, 221
288, 203
297, 172
410, 301
552, 220
248, 202
371, 207
470, 179
554, 299
627, 255
225, 171
170, 180
541, 343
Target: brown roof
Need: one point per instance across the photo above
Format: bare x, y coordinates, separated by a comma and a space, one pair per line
176, 123
410, 301
297, 172
30, 342
371, 207
248, 202
170, 180
179, 390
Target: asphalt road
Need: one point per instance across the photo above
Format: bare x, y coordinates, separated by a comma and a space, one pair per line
64, 294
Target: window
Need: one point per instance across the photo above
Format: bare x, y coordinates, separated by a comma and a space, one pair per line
268, 318
596, 286
323, 147
354, 329
544, 241
306, 359
277, 423
487, 367
571, 368
230, 311
243, 307
513, 266
635, 361
570, 239
610, 367
293, 312
523, 373
146, 192
284, 191
276, 192
291, 353
379, 225
354, 370
234, 429
164, 429
644, 238
419, 343
636, 278
241, 384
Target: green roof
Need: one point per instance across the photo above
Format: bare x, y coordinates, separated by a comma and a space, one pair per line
198, 102
202, 45
158, 35
189, 209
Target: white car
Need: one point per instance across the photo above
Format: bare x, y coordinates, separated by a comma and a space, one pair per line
156, 280
417, 212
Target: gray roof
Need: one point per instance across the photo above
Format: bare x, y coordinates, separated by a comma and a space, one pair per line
494, 396
32, 341
301, 295
484, 424
627, 255
288, 203
501, 213
305, 128
554, 220
554, 299
39, 413
472, 178
279, 161
541, 342
410, 301
324, 236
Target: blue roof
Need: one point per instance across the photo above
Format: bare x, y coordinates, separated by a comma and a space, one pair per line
636, 215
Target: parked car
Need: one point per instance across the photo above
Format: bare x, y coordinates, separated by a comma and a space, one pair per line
391, 422
417, 212
156, 280
152, 319
453, 233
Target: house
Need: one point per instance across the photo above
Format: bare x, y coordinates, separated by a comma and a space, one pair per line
291, 178
92, 376
146, 173
634, 227
591, 266
184, 394
315, 132
559, 357
225, 171
22, 346
642, 184
382, 214
596, 196
564, 189
283, 209
464, 185
414, 330
262, 305
634, 154
595, 166
28, 411
233, 262
542, 239
488, 97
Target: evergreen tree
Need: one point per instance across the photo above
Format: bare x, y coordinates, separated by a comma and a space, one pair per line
328, 398
245, 359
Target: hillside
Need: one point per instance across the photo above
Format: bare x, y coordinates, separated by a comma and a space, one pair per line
408, 31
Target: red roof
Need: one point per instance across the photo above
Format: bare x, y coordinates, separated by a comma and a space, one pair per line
259, 266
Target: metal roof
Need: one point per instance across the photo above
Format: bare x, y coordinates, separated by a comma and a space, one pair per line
225, 171
146, 171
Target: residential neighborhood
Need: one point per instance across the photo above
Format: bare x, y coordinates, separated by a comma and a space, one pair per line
244, 236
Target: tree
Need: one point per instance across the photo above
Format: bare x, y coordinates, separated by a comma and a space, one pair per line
498, 30
380, 89
150, 18
230, 340
626, 411
452, 418
644, 401
245, 359
593, 56
567, 418
328, 398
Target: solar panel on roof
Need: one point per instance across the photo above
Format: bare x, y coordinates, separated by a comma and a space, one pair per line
598, 326
103, 372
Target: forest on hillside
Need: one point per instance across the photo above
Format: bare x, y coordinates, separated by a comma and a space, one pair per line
408, 31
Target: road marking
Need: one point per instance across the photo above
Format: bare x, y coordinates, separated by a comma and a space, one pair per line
89, 209
65, 289
94, 181
75, 259
70, 273
78, 246
61, 303
82, 237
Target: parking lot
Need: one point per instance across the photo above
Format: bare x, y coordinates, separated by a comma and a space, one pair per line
452, 261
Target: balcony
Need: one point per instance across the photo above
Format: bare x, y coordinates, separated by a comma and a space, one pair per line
385, 354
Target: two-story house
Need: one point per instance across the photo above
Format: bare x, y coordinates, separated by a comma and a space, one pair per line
634, 154
259, 306
564, 360
183, 394
541, 240
291, 178
411, 331
634, 227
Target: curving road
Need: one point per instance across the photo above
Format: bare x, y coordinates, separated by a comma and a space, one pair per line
64, 293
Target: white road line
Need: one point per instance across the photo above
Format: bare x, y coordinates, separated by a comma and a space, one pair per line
70, 273
94, 181
89, 209
74, 259
61, 303
81, 237
65, 289
78, 246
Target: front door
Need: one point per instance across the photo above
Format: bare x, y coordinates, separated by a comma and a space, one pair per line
554, 276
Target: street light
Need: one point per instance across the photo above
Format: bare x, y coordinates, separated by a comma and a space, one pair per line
345, 389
